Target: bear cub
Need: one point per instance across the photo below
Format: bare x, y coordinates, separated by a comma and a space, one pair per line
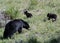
29, 15
52, 16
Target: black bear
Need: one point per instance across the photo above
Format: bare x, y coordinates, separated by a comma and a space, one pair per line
13, 26
52, 16
29, 15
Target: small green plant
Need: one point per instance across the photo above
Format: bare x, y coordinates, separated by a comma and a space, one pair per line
13, 12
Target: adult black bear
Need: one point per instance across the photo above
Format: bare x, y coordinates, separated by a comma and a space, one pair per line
29, 15
52, 16
13, 26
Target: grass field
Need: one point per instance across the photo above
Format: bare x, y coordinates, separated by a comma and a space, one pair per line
42, 31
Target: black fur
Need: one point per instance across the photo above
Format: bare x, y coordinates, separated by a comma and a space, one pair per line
13, 26
52, 16
29, 15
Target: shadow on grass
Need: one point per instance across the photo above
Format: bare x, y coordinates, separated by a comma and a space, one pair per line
54, 40
1, 38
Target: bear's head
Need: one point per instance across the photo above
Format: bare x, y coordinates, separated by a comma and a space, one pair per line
48, 14
25, 12
26, 25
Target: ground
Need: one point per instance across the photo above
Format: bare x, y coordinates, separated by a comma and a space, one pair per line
43, 31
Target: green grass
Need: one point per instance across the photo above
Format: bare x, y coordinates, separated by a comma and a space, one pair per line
43, 31
13, 12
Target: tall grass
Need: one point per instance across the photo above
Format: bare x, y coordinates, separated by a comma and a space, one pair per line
32, 40
45, 32
13, 12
